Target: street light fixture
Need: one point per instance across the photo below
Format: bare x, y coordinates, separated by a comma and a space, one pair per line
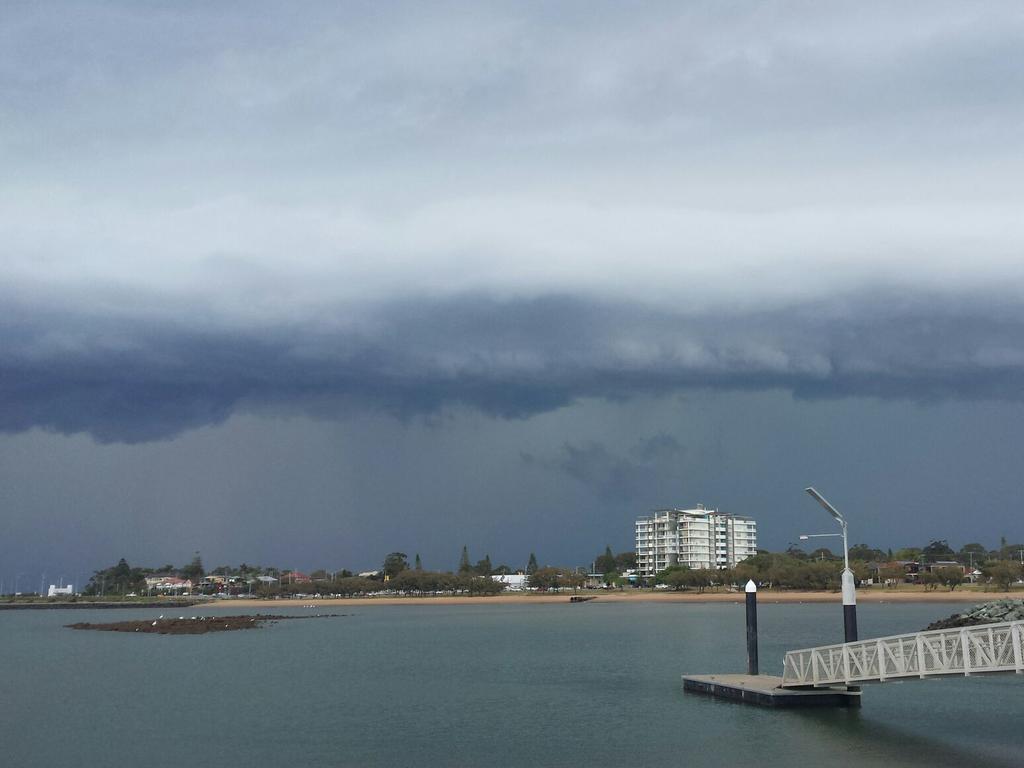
849, 584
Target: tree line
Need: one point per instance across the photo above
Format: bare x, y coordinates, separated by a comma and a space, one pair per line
971, 554
792, 569
784, 571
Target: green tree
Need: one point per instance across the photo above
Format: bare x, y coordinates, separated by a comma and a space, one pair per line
795, 552
938, 550
760, 568
121, 572
675, 576
483, 567
929, 579
356, 585
575, 579
464, 566
702, 578
822, 553
680, 577
605, 563
973, 553
479, 585
861, 571
950, 576
395, 563
625, 561
866, 553
547, 578
193, 570
119, 579
1011, 551
419, 565
1001, 573
531, 567
725, 577
907, 553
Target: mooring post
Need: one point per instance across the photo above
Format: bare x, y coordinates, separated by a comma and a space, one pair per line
751, 627
849, 606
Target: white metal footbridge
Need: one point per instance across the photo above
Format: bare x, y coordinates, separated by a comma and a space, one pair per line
944, 652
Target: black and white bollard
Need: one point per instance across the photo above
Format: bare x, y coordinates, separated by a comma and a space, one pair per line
751, 627
849, 607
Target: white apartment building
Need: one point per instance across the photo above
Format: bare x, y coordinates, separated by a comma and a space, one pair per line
696, 538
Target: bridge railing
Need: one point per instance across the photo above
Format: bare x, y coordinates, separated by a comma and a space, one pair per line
964, 651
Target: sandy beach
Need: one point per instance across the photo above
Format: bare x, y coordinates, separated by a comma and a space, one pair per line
764, 597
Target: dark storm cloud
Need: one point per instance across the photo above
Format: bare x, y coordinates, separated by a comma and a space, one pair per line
609, 474
407, 207
130, 380
660, 447
612, 476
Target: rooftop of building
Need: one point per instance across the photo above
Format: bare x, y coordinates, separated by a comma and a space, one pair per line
699, 511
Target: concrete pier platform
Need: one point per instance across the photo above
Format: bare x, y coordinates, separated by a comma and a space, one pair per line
764, 691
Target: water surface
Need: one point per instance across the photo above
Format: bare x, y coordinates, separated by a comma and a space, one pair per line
476, 685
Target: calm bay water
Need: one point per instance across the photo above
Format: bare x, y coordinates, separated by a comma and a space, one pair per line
477, 685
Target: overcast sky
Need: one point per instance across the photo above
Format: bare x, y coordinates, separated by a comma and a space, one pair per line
302, 285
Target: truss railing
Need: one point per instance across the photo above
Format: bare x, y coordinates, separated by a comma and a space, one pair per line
965, 651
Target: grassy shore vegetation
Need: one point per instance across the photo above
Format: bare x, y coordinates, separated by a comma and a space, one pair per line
86, 600
930, 568
794, 570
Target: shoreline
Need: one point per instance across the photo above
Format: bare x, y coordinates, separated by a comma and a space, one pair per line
43, 605
764, 597
519, 598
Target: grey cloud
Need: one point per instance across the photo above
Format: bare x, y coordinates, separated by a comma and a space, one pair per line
610, 475
120, 379
613, 476
412, 207
660, 447
352, 83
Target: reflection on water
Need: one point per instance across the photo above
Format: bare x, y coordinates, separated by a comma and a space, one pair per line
854, 733
512, 685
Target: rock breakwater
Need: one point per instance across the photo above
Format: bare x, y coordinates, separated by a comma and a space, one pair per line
193, 625
986, 613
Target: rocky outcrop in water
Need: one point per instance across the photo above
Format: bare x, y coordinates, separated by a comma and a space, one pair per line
195, 625
986, 613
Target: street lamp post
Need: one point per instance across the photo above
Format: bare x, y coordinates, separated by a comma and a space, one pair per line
849, 584
806, 536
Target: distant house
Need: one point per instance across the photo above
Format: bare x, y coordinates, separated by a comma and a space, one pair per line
368, 574
213, 584
54, 590
514, 582
912, 569
945, 564
295, 577
168, 585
